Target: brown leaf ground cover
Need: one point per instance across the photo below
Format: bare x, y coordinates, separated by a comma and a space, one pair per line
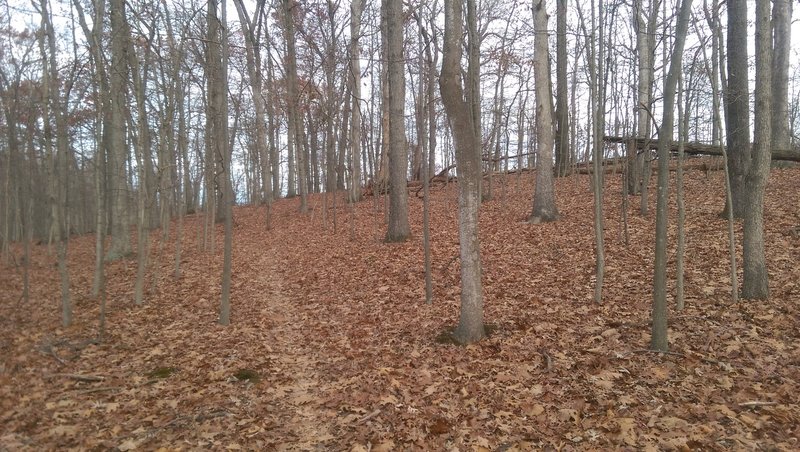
331, 346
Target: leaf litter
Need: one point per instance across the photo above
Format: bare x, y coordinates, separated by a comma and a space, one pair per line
332, 347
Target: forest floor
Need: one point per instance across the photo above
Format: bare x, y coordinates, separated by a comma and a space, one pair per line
332, 347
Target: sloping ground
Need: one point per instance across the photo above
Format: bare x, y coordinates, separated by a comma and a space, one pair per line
331, 346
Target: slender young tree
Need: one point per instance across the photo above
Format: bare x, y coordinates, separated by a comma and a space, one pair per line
292, 117
217, 62
354, 78
645, 20
470, 327
544, 201
399, 229
658, 340
56, 106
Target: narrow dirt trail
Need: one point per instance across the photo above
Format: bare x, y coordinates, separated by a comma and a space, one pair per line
295, 399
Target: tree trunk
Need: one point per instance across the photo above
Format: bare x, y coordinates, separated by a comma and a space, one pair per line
658, 340
563, 152
218, 109
58, 107
737, 100
781, 22
639, 169
253, 54
399, 229
470, 328
120, 234
287, 16
544, 202
354, 79
474, 79
755, 284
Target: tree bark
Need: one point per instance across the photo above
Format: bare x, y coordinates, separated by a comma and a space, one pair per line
544, 202
253, 55
563, 152
120, 233
658, 339
470, 328
755, 283
399, 229
356, 8
57, 106
737, 100
782, 29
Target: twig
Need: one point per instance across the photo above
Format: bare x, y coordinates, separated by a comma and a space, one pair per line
77, 377
547, 359
647, 350
368, 417
102, 389
447, 265
211, 415
52, 353
757, 403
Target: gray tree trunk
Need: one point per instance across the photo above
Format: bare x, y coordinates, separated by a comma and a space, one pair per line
118, 152
563, 152
645, 20
356, 8
658, 339
544, 200
782, 29
755, 283
470, 328
737, 104
253, 55
474, 79
399, 229
58, 107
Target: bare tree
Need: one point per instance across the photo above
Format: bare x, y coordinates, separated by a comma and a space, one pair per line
399, 229
470, 327
544, 202
356, 7
781, 23
118, 150
217, 67
658, 340
645, 23
250, 28
57, 106
737, 103
563, 150
755, 283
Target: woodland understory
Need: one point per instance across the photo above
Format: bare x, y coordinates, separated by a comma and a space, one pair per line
332, 347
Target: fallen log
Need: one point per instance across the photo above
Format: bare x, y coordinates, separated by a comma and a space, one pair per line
694, 148
701, 166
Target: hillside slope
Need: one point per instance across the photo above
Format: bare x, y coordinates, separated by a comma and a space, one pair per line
331, 346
